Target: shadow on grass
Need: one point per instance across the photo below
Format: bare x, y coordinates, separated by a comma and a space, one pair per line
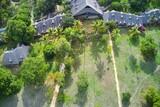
124, 104
116, 50
148, 66
100, 68
81, 98
77, 63
134, 42
10, 101
34, 97
97, 46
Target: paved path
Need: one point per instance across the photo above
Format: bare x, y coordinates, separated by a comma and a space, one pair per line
56, 91
115, 72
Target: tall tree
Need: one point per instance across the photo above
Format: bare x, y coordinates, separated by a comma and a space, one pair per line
9, 83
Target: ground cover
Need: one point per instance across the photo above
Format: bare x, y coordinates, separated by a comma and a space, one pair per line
133, 72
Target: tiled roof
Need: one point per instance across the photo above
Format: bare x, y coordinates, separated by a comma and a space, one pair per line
131, 19
15, 56
78, 5
44, 25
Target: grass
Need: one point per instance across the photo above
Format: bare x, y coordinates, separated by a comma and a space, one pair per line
101, 91
135, 77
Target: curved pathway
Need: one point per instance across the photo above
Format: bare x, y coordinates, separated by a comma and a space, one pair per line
115, 72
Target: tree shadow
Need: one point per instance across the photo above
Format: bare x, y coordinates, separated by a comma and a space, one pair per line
97, 46
77, 63
148, 66
81, 98
10, 101
125, 104
135, 41
132, 62
34, 97
100, 68
116, 50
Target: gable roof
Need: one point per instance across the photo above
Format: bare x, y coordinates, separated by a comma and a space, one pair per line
131, 19
44, 25
15, 56
78, 5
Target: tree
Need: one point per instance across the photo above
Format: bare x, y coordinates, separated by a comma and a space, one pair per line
99, 27
34, 70
68, 21
53, 78
139, 5
18, 31
19, 28
6, 11
116, 6
134, 34
148, 48
82, 82
111, 25
151, 97
9, 83
62, 48
126, 98
49, 52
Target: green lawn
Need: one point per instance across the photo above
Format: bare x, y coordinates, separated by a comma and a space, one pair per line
131, 79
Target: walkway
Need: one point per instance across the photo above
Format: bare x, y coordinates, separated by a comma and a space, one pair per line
115, 72
56, 91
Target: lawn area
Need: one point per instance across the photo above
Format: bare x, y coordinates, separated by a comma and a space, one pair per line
131, 79
101, 91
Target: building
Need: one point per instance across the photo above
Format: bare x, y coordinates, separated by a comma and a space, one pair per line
50, 23
86, 9
127, 19
123, 19
15, 56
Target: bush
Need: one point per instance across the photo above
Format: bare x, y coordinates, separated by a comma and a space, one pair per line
126, 98
9, 83
148, 48
68, 21
34, 70
82, 82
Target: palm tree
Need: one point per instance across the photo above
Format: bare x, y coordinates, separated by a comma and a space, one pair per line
99, 27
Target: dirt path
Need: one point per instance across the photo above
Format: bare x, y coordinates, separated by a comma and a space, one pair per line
115, 72
56, 91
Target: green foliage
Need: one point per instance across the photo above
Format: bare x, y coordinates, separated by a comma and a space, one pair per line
74, 34
68, 21
6, 11
102, 2
49, 51
99, 27
44, 7
139, 5
126, 98
134, 34
64, 98
82, 82
33, 71
158, 58
62, 48
152, 97
9, 83
59, 78
116, 6
148, 48
19, 28
111, 25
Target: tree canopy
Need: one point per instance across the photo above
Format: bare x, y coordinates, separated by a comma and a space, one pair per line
148, 48
9, 83
34, 70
